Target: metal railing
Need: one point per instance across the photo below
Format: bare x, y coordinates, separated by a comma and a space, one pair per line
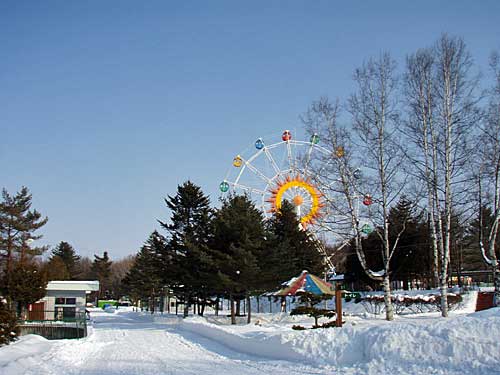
54, 324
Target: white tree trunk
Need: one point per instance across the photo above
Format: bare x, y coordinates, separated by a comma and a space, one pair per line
389, 310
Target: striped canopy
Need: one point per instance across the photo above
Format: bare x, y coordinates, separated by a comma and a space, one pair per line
305, 282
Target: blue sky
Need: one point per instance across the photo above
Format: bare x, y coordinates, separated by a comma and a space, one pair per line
105, 107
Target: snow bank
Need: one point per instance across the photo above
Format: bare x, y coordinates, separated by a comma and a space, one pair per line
267, 344
462, 344
23, 354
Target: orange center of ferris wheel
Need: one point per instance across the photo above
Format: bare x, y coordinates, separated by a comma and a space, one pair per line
298, 200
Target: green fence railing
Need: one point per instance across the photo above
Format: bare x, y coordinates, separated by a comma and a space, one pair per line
54, 325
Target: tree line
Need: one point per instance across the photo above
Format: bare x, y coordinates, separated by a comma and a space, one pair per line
206, 253
23, 272
412, 263
428, 132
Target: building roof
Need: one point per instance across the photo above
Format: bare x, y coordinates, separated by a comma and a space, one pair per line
88, 286
305, 282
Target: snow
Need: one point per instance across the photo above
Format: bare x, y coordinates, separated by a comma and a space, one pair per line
22, 354
126, 342
380, 273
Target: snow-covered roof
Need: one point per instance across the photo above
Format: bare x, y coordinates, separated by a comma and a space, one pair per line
87, 286
336, 277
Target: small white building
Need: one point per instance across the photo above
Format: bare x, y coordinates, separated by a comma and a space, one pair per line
64, 300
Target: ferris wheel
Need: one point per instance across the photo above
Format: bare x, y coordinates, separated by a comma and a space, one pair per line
292, 170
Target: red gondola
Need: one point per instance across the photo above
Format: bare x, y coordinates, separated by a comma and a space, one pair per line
286, 135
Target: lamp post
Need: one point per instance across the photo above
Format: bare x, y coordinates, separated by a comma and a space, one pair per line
238, 303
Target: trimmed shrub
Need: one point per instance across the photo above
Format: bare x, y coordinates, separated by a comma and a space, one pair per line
374, 304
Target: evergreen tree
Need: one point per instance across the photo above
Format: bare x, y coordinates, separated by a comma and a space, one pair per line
8, 325
18, 224
457, 244
119, 269
189, 230
411, 259
68, 256
144, 280
25, 285
101, 270
84, 268
290, 249
238, 244
472, 258
55, 269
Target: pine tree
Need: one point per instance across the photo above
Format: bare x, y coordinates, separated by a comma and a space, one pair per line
290, 249
101, 270
8, 325
84, 268
472, 258
25, 285
411, 259
119, 269
68, 256
412, 256
189, 230
18, 224
238, 242
55, 269
144, 280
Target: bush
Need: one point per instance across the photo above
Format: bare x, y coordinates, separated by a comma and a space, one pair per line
374, 304
298, 328
310, 300
8, 325
330, 324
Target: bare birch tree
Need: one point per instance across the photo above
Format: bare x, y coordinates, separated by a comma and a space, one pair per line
456, 118
420, 129
441, 97
337, 174
374, 111
489, 176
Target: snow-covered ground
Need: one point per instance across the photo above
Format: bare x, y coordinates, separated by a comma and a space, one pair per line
126, 342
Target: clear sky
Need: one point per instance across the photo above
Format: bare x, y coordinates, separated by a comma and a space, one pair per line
106, 106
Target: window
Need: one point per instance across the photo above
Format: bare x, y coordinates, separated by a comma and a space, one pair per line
69, 312
65, 301
63, 313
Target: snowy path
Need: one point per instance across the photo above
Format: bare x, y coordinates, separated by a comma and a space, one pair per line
129, 343
133, 344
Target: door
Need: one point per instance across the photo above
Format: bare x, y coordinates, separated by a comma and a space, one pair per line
36, 311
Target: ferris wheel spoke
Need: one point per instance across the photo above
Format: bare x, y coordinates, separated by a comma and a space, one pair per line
290, 156
258, 173
271, 160
309, 201
288, 195
308, 157
324, 166
247, 188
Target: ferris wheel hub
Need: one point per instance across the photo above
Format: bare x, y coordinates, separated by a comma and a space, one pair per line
298, 200
300, 192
